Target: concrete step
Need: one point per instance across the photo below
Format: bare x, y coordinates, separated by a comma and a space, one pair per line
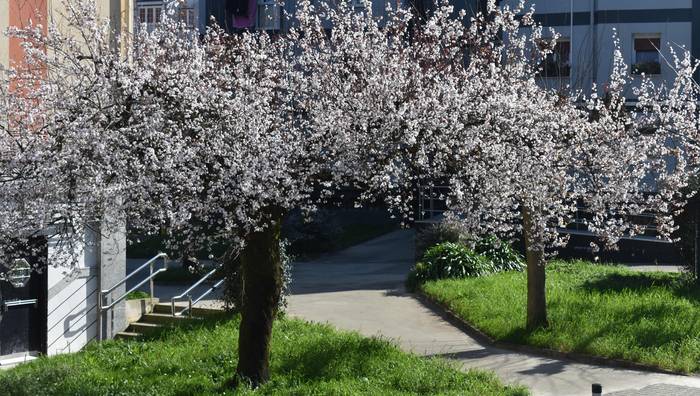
127, 335
164, 318
144, 328
163, 308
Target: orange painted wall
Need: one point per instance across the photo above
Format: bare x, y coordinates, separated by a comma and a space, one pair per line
21, 13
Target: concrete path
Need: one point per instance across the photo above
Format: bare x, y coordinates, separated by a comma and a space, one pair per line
655, 268
361, 289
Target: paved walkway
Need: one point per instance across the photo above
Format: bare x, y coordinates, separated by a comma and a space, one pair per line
657, 268
361, 289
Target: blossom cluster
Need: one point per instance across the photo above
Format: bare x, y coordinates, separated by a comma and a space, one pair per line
207, 136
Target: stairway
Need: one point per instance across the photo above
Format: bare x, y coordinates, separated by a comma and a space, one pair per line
160, 318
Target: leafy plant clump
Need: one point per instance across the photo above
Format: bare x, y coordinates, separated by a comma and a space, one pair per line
448, 260
137, 295
501, 254
458, 260
435, 234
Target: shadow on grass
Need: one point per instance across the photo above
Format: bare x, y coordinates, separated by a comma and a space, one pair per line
634, 326
328, 359
642, 282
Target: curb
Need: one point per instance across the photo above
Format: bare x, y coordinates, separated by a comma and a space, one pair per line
450, 317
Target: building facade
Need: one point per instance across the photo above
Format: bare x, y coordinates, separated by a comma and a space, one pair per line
646, 30
55, 310
235, 15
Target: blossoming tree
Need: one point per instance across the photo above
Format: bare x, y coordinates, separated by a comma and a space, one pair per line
211, 137
214, 137
526, 159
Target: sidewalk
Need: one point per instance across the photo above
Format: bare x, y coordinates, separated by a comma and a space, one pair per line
361, 289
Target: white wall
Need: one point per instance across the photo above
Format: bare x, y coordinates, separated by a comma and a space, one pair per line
72, 299
672, 34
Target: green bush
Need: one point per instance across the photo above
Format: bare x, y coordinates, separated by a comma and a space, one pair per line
448, 260
457, 260
444, 231
502, 255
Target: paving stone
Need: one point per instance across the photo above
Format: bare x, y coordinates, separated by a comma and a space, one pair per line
658, 390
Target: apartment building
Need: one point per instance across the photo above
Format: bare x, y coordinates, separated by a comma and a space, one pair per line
236, 15
56, 310
646, 29
230, 14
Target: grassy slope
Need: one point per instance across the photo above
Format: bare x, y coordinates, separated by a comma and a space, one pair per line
608, 311
307, 359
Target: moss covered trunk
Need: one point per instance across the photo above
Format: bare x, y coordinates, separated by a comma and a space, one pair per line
262, 284
536, 280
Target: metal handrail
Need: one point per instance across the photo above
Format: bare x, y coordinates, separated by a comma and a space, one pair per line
126, 293
107, 292
191, 302
186, 293
206, 293
134, 272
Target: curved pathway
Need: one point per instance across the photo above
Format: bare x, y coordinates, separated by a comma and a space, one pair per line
361, 289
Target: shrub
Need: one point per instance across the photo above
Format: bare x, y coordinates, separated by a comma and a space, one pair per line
501, 254
445, 231
448, 260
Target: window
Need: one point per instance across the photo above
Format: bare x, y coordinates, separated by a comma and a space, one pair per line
557, 63
268, 15
646, 55
187, 16
358, 4
149, 15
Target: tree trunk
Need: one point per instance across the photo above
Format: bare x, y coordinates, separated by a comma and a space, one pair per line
536, 297
696, 246
262, 284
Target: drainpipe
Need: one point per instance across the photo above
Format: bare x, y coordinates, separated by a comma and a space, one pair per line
695, 35
571, 44
594, 43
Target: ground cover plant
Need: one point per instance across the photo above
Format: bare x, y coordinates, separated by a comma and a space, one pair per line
651, 317
137, 295
307, 359
456, 260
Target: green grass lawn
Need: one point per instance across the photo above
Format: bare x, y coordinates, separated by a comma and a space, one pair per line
610, 311
307, 359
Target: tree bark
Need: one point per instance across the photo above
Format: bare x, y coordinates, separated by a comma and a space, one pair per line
262, 284
536, 281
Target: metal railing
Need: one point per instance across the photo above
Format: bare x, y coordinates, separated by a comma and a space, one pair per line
103, 307
187, 296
